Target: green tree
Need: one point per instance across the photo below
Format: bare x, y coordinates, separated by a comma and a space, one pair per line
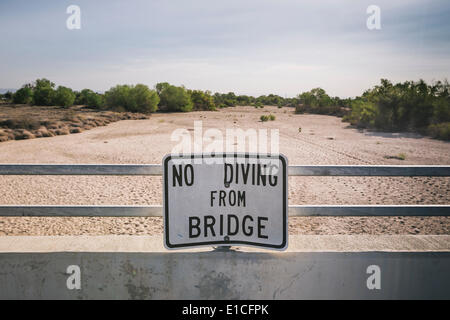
118, 96
244, 100
271, 100
64, 97
407, 106
95, 100
143, 99
90, 98
175, 99
317, 97
8, 95
137, 98
202, 100
43, 92
23, 96
160, 87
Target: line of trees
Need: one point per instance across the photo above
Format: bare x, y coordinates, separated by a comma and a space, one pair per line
42, 92
413, 106
137, 98
408, 106
132, 98
319, 102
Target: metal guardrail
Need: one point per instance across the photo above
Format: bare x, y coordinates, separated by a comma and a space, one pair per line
156, 210
157, 170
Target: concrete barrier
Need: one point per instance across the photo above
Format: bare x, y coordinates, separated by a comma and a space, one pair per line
314, 267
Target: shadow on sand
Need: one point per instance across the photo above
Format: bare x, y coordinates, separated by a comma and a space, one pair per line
384, 134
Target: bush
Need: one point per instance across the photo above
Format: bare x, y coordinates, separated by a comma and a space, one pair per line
317, 101
25, 122
408, 106
326, 110
271, 100
8, 96
315, 98
143, 99
137, 98
400, 156
43, 92
272, 117
64, 97
363, 114
227, 99
174, 99
90, 98
23, 96
95, 100
440, 131
300, 109
202, 100
264, 118
160, 87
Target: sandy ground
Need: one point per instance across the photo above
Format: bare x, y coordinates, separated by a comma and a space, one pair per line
322, 140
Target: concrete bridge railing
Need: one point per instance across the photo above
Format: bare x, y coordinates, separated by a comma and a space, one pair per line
138, 267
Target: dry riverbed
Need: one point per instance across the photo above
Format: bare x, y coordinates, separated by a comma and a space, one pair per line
321, 140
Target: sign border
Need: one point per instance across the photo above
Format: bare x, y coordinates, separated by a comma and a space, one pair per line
168, 245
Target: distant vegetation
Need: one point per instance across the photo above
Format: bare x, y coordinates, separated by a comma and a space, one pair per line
265, 118
400, 156
408, 106
137, 98
319, 102
89, 98
174, 98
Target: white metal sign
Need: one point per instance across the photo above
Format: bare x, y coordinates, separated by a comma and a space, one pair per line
225, 199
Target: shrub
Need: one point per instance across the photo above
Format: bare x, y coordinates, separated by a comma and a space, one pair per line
64, 97
95, 100
175, 99
264, 118
271, 100
25, 122
118, 96
409, 106
43, 92
23, 96
8, 96
400, 156
137, 98
440, 131
143, 99
70, 115
272, 117
160, 87
317, 101
90, 98
315, 98
227, 99
300, 109
202, 100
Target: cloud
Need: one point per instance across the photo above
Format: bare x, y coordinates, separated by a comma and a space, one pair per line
252, 47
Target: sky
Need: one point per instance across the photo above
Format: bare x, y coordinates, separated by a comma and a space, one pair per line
252, 47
